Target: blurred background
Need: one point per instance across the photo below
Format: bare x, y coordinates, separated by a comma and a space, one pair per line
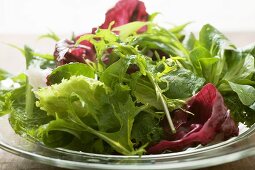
65, 16
22, 21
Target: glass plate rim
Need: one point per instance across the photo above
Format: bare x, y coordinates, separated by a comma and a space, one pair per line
187, 163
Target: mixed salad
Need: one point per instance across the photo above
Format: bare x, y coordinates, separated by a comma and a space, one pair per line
132, 87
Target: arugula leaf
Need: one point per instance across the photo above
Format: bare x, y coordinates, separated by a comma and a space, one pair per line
146, 129
44, 56
181, 84
146, 69
162, 99
177, 30
129, 29
102, 40
160, 39
153, 16
28, 54
51, 35
139, 87
32, 57
132, 54
115, 72
4, 74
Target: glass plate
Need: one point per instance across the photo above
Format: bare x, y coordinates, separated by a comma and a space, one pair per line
231, 150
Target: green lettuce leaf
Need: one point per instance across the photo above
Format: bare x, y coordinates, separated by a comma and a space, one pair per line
17, 98
68, 70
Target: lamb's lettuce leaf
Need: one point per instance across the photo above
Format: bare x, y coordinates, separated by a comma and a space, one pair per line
190, 42
214, 40
239, 111
246, 93
230, 69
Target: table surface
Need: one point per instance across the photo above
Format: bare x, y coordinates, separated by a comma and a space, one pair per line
12, 162
15, 65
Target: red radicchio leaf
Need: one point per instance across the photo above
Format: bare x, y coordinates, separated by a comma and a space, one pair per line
123, 12
211, 118
66, 52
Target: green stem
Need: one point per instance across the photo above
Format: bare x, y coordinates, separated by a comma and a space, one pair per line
168, 116
164, 104
30, 99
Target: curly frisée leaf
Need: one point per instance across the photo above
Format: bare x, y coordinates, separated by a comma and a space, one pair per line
90, 105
